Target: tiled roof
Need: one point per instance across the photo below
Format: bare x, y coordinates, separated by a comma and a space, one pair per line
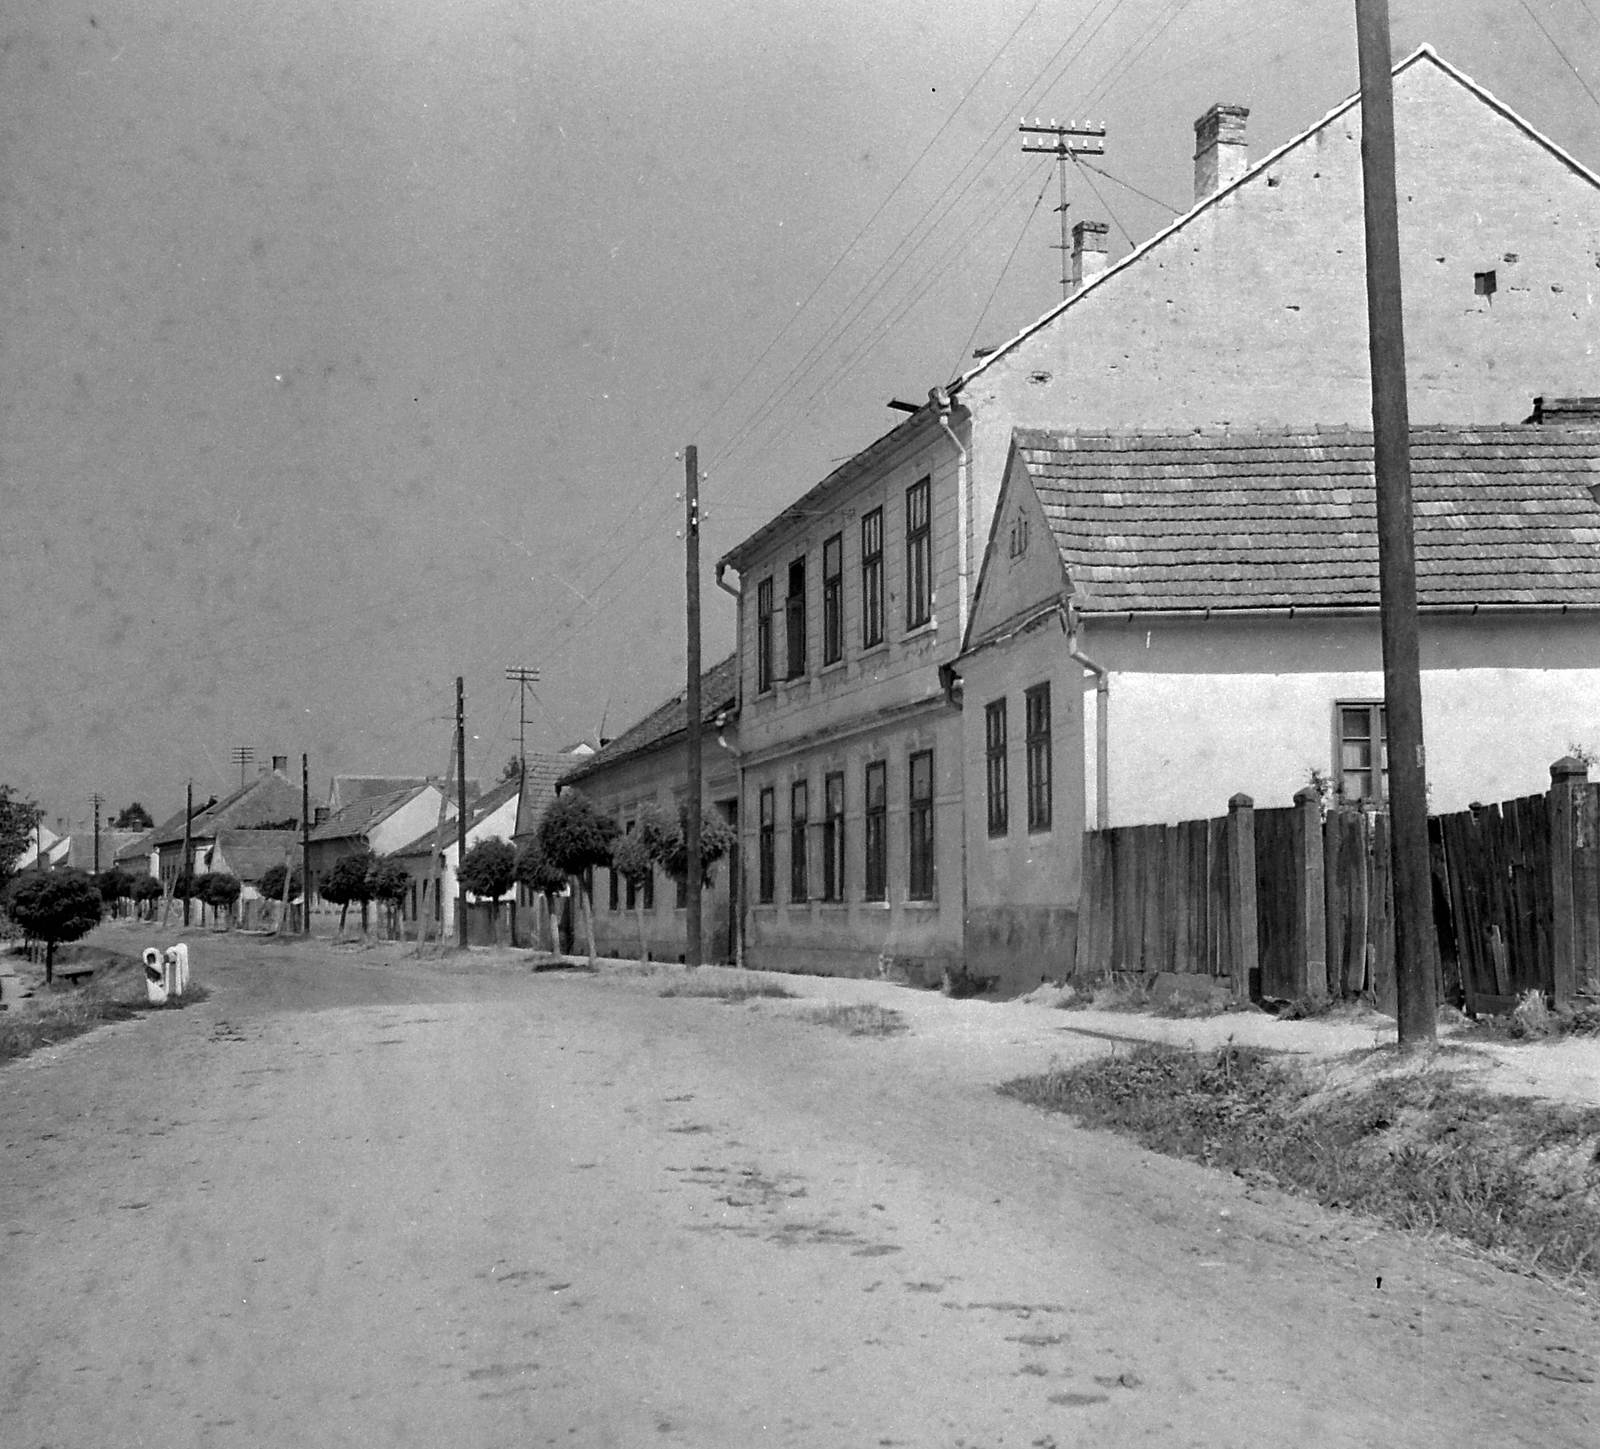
485, 804
361, 814
1504, 515
542, 773
346, 790
252, 853
719, 691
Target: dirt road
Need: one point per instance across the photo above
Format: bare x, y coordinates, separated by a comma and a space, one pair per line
351, 1200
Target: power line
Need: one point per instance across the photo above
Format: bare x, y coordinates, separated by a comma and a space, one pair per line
1109, 212
1011, 256
1559, 51
1128, 185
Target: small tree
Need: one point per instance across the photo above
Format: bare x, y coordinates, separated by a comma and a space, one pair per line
390, 882
271, 883
534, 871
513, 768
575, 837
55, 905
488, 872
133, 817
350, 880
222, 894
634, 860
716, 840
146, 892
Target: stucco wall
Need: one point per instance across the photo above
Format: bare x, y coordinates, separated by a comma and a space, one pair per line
622, 791
1201, 710
1254, 311
901, 938
1023, 886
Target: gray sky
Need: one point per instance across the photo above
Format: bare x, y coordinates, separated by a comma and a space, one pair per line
346, 348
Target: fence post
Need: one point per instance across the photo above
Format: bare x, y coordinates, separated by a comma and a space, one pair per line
1311, 905
1568, 784
1242, 892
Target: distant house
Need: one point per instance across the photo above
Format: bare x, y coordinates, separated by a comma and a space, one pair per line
139, 856
1223, 588
271, 801
346, 790
491, 815
249, 855
647, 766
381, 823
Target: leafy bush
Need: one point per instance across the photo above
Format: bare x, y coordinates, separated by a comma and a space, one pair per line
116, 885
488, 870
574, 836
672, 845
271, 883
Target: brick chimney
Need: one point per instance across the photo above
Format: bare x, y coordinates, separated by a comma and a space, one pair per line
1220, 153
1088, 252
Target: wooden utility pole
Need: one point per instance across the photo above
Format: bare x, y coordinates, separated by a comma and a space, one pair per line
438, 853
461, 810
305, 843
523, 677
242, 755
1397, 565
1065, 143
184, 873
691, 828
97, 800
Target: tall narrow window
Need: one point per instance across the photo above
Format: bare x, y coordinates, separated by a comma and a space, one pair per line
919, 818
919, 572
994, 735
633, 890
875, 834
763, 636
768, 850
798, 813
1362, 763
682, 888
872, 579
833, 838
1037, 706
794, 620
614, 886
833, 599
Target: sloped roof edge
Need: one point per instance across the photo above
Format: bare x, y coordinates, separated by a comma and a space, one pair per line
1422, 52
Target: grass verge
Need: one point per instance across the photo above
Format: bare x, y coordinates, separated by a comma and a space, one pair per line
721, 989
860, 1020
1517, 1177
58, 1013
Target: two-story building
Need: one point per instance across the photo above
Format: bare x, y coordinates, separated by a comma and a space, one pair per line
1246, 311
850, 600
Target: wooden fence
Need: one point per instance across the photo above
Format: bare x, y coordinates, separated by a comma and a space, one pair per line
1292, 902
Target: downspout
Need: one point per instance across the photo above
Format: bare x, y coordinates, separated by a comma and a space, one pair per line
941, 400
1102, 718
738, 674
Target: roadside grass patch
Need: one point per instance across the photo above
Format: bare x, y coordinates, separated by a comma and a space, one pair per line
58, 1013
722, 989
1406, 1143
864, 1019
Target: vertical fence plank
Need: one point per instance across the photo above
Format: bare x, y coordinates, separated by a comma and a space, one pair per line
1586, 889
1242, 894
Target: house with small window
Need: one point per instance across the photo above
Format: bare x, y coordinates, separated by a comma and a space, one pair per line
1223, 589
1249, 309
381, 823
645, 768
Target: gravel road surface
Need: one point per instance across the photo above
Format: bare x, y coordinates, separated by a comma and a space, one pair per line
359, 1200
